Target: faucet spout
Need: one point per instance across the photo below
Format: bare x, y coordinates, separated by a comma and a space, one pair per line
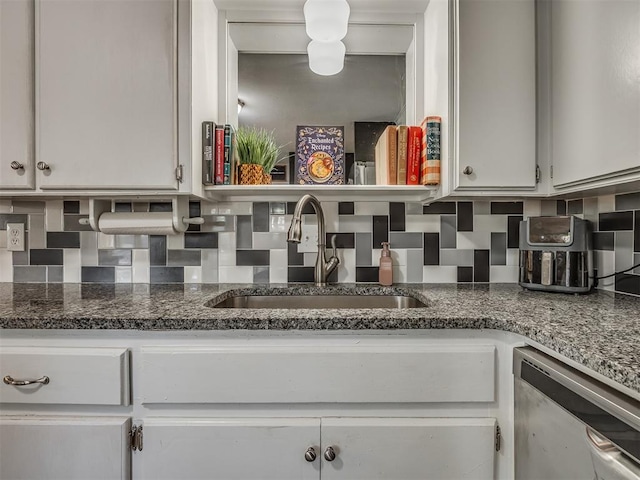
323, 267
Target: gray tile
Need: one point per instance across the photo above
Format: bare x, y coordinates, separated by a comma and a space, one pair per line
98, 275
36, 228
548, 207
244, 231
636, 261
260, 274
414, 208
253, 257
131, 241
271, 241
482, 207
448, 231
414, 266
45, 256
18, 206
72, 224
54, 274
201, 240
140, 206
405, 240
277, 208
623, 250
157, 249
21, 258
166, 275
628, 201
462, 258
29, 274
114, 257
11, 218
183, 258
261, 216
63, 240
71, 206
498, 248
363, 249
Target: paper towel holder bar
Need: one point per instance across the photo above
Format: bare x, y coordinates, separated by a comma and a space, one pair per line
179, 210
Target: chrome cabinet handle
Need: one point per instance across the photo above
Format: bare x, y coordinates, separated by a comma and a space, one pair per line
467, 170
329, 454
17, 165
42, 166
9, 380
310, 454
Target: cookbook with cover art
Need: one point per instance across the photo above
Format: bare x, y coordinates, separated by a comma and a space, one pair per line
320, 155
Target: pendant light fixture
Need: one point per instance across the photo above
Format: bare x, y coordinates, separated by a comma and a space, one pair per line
326, 24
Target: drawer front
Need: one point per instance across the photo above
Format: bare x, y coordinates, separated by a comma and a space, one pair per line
89, 376
317, 374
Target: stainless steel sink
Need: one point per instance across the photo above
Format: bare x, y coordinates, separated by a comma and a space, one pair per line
319, 301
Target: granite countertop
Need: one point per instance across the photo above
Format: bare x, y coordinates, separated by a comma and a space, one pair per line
600, 331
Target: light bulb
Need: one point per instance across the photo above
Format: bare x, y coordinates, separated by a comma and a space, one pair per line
326, 58
326, 20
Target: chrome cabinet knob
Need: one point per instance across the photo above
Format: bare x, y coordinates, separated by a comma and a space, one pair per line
310, 454
42, 166
9, 380
329, 454
17, 165
467, 170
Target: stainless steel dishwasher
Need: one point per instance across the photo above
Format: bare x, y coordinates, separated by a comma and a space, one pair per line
569, 425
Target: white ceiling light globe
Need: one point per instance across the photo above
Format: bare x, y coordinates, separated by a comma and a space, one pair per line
326, 58
326, 20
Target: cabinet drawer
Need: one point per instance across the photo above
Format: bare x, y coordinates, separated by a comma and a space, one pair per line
318, 374
90, 376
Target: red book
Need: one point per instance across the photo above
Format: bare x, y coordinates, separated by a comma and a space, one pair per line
414, 145
219, 155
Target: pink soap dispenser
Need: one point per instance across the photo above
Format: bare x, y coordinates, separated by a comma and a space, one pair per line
385, 273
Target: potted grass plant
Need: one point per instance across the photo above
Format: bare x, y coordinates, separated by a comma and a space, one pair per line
257, 154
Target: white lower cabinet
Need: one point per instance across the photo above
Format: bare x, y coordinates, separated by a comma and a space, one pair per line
318, 448
60, 447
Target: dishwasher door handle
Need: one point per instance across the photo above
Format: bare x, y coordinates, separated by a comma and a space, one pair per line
608, 461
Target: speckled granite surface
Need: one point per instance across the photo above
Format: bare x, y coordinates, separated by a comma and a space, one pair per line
600, 331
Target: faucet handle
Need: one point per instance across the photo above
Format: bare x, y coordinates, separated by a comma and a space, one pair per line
333, 245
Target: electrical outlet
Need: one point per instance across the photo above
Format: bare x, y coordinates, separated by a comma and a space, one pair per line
15, 237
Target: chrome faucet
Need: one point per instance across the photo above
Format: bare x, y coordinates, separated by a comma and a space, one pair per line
323, 267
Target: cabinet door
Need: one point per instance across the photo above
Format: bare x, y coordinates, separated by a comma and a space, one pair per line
16, 94
496, 95
408, 448
242, 449
595, 47
82, 448
107, 75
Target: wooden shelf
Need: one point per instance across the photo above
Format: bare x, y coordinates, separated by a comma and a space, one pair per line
286, 192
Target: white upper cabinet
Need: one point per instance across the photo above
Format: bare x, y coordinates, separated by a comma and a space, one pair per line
16, 94
107, 94
495, 65
595, 92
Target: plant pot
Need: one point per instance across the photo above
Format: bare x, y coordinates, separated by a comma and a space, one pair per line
266, 178
250, 174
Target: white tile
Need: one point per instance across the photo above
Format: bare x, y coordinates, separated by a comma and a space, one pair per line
123, 274
235, 208
3, 239
309, 258
227, 241
347, 266
355, 223
489, 223
413, 208
473, 240
279, 223
278, 258
242, 274
193, 274
439, 274
606, 203
106, 241
37, 233
209, 261
226, 258
422, 223
140, 266
400, 274
623, 250
72, 265
131, 241
590, 209
330, 210
503, 273
513, 256
278, 275
398, 257
5, 206
208, 208
53, 216
532, 208
175, 242
89, 248
309, 238
269, 240
84, 207
371, 208
6, 266
605, 263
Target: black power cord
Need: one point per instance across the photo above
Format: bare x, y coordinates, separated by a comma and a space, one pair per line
595, 279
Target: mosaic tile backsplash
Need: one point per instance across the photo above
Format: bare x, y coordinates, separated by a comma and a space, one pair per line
450, 241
